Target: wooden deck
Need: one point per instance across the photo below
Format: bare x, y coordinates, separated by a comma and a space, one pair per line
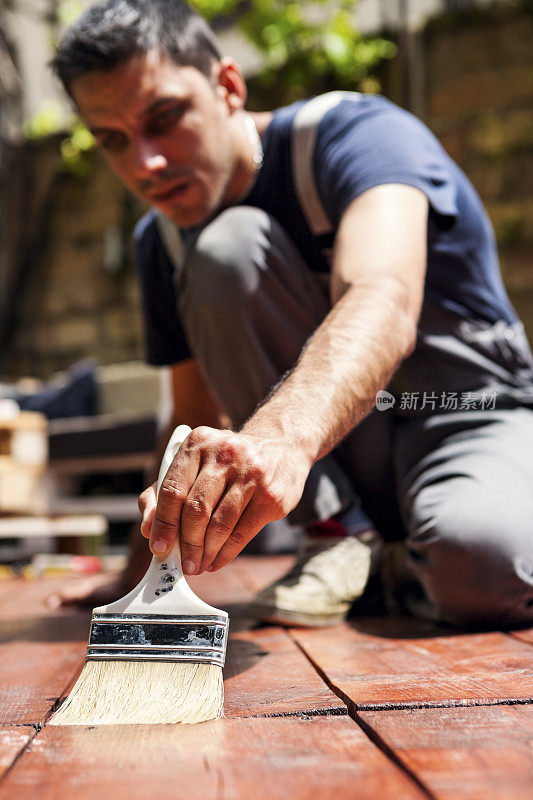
382, 708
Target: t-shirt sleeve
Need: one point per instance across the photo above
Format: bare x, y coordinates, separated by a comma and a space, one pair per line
366, 143
165, 339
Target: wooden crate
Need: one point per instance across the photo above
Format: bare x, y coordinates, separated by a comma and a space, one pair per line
23, 460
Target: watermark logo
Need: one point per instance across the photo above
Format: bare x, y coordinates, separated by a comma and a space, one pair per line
431, 401
384, 400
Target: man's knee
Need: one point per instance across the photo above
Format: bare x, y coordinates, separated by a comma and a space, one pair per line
473, 555
226, 260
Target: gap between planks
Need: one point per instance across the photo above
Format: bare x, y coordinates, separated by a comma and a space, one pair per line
372, 735
36, 730
407, 705
272, 567
371, 732
352, 708
400, 759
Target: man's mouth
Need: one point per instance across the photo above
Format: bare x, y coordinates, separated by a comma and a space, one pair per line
168, 193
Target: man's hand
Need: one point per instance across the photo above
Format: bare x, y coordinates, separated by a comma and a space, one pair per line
220, 491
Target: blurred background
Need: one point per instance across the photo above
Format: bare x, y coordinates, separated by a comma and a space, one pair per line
68, 289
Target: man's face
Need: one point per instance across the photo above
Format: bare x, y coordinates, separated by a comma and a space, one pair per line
167, 131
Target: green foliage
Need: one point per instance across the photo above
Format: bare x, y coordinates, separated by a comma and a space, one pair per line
47, 121
67, 11
215, 8
75, 150
307, 47
75, 147
50, 119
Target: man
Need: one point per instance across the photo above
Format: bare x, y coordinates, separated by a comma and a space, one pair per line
296, 329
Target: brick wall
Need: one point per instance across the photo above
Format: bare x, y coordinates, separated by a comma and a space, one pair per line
479, 102
80, 296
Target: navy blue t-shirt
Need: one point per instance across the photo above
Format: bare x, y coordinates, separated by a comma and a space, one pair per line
359, 145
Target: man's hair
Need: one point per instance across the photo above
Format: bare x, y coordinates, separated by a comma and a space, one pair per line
112, 31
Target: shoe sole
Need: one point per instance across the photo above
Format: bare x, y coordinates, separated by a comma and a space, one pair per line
281, 616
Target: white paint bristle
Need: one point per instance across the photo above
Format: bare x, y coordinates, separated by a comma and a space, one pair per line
143, 693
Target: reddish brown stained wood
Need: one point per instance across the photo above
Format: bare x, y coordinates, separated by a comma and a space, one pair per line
42, 651
26, 597
525, 635
223, 587
266, 674
6, 590
265, 671
387, 660
482, 753
226, 590
12, 742
33, 675
258, 572
246, 759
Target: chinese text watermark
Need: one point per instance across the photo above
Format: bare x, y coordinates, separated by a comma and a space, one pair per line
437, 401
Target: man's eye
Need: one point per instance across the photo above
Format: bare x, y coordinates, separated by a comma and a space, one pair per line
113, 141
165, 120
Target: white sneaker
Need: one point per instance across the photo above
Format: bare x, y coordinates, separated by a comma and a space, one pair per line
323, 583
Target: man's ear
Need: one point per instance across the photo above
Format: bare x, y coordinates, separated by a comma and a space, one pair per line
230, 84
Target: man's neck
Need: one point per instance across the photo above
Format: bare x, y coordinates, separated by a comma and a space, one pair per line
248, 166
262, 120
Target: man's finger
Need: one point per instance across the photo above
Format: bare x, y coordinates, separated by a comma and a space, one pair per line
147, 505
174, 489
147, 500
147, 522
252, 520
196, 513
223, 522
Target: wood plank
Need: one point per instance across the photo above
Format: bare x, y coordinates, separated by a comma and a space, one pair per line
525, 635
226, 590
396, 661
479, 753
26, 597
33, 675
263, 759
41, 653
28, 527
12, 743
267, 674
258, 571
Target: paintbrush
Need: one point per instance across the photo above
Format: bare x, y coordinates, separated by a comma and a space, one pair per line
156, 655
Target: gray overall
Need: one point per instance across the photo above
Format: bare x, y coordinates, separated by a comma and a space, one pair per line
446, 465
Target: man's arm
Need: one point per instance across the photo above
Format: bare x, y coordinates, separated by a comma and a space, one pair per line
376, 287
223, 487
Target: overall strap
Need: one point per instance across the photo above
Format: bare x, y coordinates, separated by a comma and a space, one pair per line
304, 133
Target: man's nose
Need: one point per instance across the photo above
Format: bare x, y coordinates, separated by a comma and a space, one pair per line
149, 159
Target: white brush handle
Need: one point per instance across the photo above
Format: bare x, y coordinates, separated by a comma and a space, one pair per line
163, 590
171, 450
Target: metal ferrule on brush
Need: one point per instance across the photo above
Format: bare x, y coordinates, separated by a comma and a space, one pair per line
165, 637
